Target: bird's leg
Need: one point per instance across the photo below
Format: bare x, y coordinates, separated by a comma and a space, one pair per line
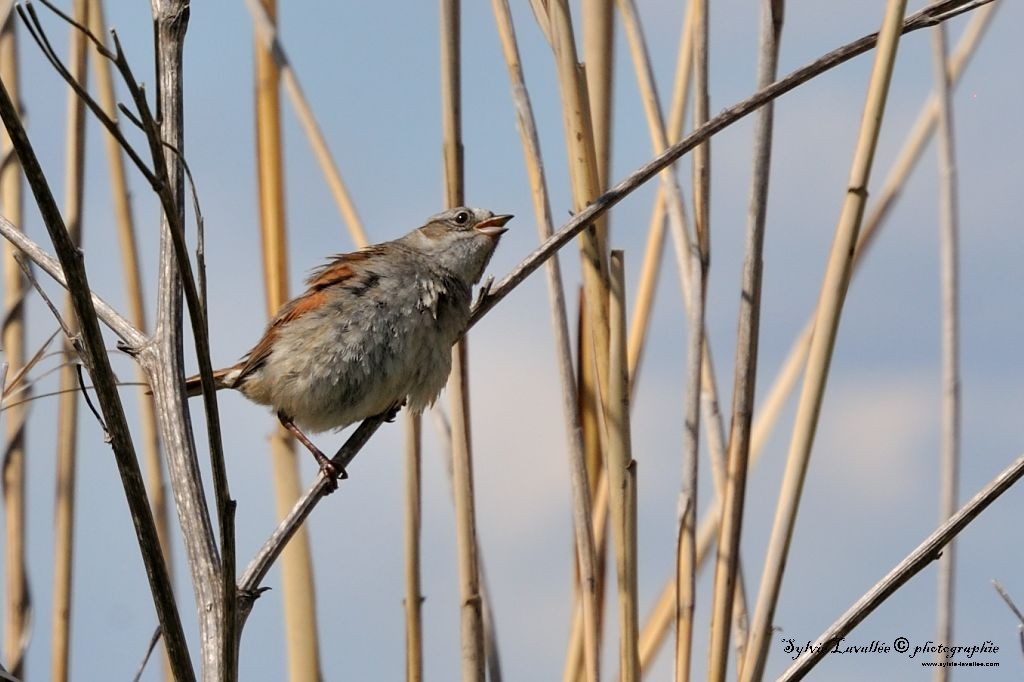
326, 465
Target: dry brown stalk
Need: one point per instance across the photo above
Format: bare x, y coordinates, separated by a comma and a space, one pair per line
829, 308
17, 604
472, 629
649, 271
413, 593
583, 649
699, 259
658, 621
728, 578
150, 442
621, 480
950, 285
300, 605
267, 37
67, 402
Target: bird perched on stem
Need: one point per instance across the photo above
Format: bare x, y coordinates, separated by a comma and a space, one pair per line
373, 330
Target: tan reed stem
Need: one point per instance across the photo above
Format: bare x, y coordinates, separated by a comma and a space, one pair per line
699, 258
649, 271
17, 603
950, 285
658, 621
727, 567
268, 39
67, 402
150, 442
829, 308
585, 653
413, 592
299, 596
472, 630
621, 476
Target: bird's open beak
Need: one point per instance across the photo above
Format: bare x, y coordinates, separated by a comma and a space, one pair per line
494, 226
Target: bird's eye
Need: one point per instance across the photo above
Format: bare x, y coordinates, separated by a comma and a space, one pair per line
461, 217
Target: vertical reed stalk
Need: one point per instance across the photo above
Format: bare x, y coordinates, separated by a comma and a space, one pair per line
649, 271
585, 181
622, 476
472, 629
413, 592
149, 438
658, 621
267, 38
67, 402
599, 56
949, 255
833, 292
585, 652
300, 629
699, 259
727, 564
598, 24
17, 605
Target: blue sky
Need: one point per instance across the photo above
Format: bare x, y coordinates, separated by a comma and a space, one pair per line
371, 73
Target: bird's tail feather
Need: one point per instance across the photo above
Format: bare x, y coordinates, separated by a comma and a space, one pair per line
194, 387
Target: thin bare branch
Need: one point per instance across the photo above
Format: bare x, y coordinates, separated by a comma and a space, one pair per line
925, 553
103, 378
930, 16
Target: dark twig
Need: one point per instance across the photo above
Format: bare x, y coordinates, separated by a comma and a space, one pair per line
88, 401
95, 356
149, 652
42, 294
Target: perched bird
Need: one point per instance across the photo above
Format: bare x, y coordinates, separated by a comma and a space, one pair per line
373, 330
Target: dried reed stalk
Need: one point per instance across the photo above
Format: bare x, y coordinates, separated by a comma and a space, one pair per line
699, 258
413, 592
585, 652
582, 155
67, 401
472, 629
949, 256
599, 56
598, 26
728, 560
649, 271
829, 308
94, 355
268, 39
150, 442
299, 598
17, 603
586, 186
621, 472
656, 626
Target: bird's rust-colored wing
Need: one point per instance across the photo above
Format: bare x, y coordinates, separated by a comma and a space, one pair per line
339, 270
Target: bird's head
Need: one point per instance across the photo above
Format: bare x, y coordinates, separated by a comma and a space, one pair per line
461, 240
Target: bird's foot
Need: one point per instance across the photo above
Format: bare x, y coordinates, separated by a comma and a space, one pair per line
330, 471
392, 412
328, 468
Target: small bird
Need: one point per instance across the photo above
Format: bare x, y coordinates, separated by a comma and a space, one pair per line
373, 330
